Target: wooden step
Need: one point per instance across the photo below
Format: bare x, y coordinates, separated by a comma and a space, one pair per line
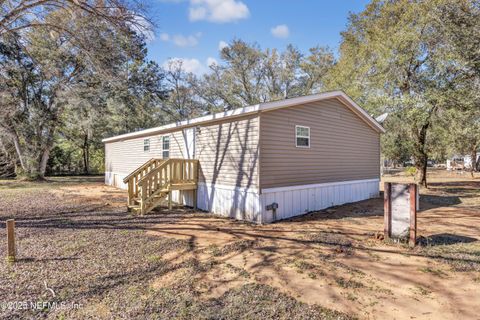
162, 194
134, 209
154, 202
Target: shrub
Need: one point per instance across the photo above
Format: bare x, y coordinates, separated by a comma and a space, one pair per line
410, 171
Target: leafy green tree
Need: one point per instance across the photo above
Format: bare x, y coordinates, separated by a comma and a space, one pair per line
181, 101
392, 58
17, 15
394, 145
459, 22
42, 69
248, 75
134, 98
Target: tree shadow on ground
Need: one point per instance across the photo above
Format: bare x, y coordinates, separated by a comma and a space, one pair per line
444, 239
57, 181
466, 184
428, 201
365, 208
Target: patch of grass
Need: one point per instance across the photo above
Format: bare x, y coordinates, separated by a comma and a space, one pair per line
375, 257
328, 238
197, 266
153, 258
340, 265
345, 250
302, 265
461, 257
423, 291
214, 250
255, 301
351, 296
237, 246
348, 283
240, 271
437, 272
382, 291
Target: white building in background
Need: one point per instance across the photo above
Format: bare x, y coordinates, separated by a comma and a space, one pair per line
459, 162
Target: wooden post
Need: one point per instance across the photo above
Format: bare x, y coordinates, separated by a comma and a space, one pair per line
143, 198
170, 199
170, 181
413, 214
130, 192
11, 240
196, 167
387, 206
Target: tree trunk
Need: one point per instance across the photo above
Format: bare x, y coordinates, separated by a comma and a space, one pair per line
43, 163
423, 172
86, 156
473, 156
421, 158
18, 149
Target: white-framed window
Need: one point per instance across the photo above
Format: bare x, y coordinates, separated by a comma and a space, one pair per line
146, 145
302, 137
165, 147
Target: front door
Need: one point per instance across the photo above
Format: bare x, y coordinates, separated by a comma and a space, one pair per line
189, 146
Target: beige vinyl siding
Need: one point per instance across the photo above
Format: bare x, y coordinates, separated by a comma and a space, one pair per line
122, 157
342, 146
177, 144
228, 152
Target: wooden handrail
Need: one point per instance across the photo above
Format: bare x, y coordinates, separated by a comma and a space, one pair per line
182, 170
153, 171
142, 167
132, 179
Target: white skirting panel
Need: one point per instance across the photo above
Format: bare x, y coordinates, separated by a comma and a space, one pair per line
115, 179
184, 197
298, 200
228, 201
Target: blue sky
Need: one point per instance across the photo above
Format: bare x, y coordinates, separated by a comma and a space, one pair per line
193, 29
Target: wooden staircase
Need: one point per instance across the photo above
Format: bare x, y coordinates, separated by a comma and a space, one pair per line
153, 183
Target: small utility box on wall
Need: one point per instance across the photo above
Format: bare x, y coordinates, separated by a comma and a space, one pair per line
400, 205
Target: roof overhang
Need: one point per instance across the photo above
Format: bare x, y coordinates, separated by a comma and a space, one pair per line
262, 107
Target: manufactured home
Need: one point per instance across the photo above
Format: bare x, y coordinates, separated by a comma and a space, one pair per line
259, 163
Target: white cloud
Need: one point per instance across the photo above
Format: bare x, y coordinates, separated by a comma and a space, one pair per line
280, 31
188, 65
219, 11
184, 41
164, 36
211, 61
180, 40
143, 27
222, 44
